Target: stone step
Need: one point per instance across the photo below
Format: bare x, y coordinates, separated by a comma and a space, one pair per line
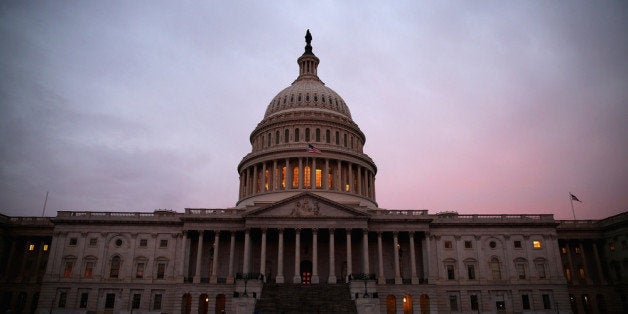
297, 298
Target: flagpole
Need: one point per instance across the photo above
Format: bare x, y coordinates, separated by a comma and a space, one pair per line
572, 210
43, 212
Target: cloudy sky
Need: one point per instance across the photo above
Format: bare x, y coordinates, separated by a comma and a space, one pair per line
474, 106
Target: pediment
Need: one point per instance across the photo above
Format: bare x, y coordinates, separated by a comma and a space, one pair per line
307, 205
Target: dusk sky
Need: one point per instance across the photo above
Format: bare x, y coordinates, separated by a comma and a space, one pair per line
479, 107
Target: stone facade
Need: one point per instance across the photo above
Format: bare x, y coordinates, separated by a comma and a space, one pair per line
307, 215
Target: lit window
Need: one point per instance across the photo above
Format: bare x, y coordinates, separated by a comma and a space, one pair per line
563, 250
295, 178
347, 188
567, 273
319, 178
611, 246
577, 249
67, 273
306, 177
283, 177
536, 244
45, 247
581, 272
31, 247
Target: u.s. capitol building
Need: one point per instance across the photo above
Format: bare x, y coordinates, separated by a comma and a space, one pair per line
307, 236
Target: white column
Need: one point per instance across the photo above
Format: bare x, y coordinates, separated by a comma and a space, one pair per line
332, 268
398, 280
413, 277
231, 257
359, 186
380, 260
315, 256
199, 257
246, 261
350, 169
263, 181
288, 175
297, 256
349, 258
279, 278
365, 252
262, 264
214, 276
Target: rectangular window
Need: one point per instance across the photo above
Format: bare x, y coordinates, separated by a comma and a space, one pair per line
546, 302
500, 305
468, 244
448, 244
45, 247
163, 243
577, 249
471, 272
31, 247
93, 241
450, 272
563, 250
73, 241
67, 273
540, 269
143, 242
521, 271
137, 298
139, 272
89, 269
63, 298
536, 244
84, 298
161, 270
453, 303
517, 244
157, 302
611, 246
525, 301
581, 272
110, 300
475, 304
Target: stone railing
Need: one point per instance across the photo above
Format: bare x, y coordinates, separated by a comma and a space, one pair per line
408, 212
39, 221
452, 217
212, 211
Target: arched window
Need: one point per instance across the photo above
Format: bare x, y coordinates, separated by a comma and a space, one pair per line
296, 135
299, 99
286, 136
495, 268
327, 135
307, 135
269, 141
337, 138
391, 304
186, 304
318, 135
114, 270
345, 139
277, 138
407, 304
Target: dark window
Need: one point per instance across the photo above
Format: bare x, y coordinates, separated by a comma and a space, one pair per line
318, 135
468, 244
286, 136
525, 301
299, 99
546, 302
139, 272
345, 139
163, 243
291, 98
89, 269
471, 272
448, 244
307, 135
110, 300
352, 142
84, 298
137, 298
67, 273
517, 244
492, 244
296, 135
276, 137
157, 302
161, 270
73, 241
337, 138
475, 304
450, 272
269, 140
307, 97
93, 241
143, 242
327, 136
118, 242
63, 298
453, 302
500, 305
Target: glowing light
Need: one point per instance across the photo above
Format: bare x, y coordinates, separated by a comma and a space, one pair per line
405, 300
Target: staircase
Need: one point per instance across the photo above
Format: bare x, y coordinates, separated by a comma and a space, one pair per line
297, 298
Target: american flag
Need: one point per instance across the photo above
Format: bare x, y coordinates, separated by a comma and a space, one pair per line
312, 149
574, 198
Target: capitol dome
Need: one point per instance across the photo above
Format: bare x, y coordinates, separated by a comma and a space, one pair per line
307, 142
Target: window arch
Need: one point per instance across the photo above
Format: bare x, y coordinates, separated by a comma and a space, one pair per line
89, 263
277, 137
114, 269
